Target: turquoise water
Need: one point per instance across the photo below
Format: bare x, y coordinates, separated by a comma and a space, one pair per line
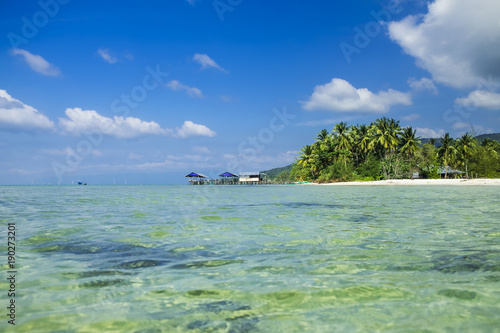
254, 259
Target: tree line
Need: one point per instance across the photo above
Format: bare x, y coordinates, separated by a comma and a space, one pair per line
385, 150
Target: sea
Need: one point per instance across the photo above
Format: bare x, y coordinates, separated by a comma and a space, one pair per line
293, 258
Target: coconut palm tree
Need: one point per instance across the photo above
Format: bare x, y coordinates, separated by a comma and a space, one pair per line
432, 141
466, 147
309, 158
322, 135
364, 138
489, 146
409, 142
386, 134
343, 139
446, 152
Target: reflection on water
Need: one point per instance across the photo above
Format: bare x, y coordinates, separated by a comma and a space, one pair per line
256, 259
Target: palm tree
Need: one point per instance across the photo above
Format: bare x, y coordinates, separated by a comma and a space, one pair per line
409, 143
386, 134
466, 146
364, 139
432, 141
446, 152
355, 140
322, 135
343, 140
309, 158
489, 146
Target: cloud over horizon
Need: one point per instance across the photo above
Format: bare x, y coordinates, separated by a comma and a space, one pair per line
189, 129
340, 96
481, 99
80, 122
15, 115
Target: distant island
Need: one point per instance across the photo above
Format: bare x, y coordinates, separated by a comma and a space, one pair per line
384, 150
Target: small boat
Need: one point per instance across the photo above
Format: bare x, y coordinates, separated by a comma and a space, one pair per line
82, 183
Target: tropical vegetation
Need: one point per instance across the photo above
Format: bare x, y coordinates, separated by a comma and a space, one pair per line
386, 150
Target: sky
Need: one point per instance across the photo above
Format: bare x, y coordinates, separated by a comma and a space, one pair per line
145, 92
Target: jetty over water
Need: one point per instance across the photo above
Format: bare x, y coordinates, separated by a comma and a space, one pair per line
228, 178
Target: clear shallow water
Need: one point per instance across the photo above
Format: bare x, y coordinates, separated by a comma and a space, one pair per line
255, 259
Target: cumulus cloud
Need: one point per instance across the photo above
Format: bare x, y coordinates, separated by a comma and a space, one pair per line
481, 99
80, 121
189, 129
191, 91
206, 62
37, 63
457, 41
340, 96
422, 85
429, 132
107, 56
15, 115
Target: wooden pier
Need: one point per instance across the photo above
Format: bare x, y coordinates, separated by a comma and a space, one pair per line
227, 178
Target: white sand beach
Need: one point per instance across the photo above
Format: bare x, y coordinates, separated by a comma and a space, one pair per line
411, 182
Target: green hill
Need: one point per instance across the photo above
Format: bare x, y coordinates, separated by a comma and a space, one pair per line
272, 173
494, 136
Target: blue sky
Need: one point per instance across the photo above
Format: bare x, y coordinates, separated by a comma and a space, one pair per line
145, 92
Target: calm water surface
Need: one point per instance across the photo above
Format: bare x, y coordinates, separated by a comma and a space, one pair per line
254, 259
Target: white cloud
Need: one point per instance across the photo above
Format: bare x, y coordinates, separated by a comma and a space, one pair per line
229, 156
89, 121
481, 99
189, 129
429, 132
107, 56
66, 151
201, 150
206, 62
134, 156
457, 41
468, 127
422, 84
461, 125
191, 91
340, 96
410, 117
80, 121
16, 115
37, 63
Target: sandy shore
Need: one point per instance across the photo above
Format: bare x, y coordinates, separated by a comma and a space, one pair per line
411, 182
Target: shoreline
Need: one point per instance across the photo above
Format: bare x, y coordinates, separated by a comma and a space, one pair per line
417, 182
